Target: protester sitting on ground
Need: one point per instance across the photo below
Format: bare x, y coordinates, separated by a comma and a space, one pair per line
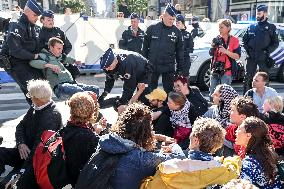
206, 137
260, 92
161, 117
273, 116
222, 97
192, 94
239, 184
79, 140
259, 164
241, 108
42, 115
61, 81
132, 138
182, 116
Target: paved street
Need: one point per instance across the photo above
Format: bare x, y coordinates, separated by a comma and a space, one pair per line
13, 104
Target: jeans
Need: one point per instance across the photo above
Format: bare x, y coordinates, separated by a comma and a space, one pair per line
216, 80
66, 90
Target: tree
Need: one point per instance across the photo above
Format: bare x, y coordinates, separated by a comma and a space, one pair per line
137, 6
75, 5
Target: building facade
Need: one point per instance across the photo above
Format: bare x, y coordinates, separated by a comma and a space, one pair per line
246, 9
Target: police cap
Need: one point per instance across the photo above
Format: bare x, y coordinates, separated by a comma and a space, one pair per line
107, 59
180, 17
170, 9
134, 15
48, 13
36, 8
260, 8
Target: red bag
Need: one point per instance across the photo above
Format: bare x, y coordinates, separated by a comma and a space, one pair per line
49, 161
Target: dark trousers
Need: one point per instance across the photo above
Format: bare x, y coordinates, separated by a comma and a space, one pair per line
251, 69
11, 156
22, 73
167, 80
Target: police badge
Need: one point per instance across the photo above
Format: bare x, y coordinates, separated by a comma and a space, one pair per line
127, 76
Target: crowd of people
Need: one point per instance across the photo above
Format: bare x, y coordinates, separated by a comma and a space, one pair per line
156, 128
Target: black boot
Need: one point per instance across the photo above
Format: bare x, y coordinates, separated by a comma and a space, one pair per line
1, 140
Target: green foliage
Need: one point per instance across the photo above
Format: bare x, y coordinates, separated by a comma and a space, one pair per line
75, 5
137, 6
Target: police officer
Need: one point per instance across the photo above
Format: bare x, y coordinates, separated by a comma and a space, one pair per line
163, 47
196, 31
132, 38
188, 43
22, 46
129, 66
48, 31
259, 41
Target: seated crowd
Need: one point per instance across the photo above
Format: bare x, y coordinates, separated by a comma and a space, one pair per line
178, 134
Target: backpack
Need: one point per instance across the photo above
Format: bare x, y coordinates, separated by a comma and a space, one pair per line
98, 171
49, 161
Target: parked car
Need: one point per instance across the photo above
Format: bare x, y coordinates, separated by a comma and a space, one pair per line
200, 58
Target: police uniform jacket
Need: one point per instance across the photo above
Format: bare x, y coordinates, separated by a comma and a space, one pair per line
260, 40
163, 46
22, 41
131, 42
133, 69
47, 33
188, 44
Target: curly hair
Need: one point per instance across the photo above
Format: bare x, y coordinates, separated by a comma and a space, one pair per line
245, 106
210, 134
259, 145
82, 108
135, 124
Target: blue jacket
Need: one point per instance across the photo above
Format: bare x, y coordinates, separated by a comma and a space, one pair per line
136, 164
252, 171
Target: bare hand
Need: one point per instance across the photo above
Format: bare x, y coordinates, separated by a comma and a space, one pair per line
78, 62
141, 86
222, 50
24, 151
56, 69
121, 108
36, 56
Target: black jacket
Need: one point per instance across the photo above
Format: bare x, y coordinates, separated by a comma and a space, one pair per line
30, 128
22, 41
260, 40
47, 33
188, 48
132, 69
162, 125
131, 42
163, 47
199, 102
79, 144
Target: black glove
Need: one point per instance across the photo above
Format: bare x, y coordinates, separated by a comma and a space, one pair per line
102, 96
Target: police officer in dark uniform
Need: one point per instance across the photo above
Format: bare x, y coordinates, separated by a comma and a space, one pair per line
22, 46
132, 38
163, 47
48, 31
196, 31
188, 43
129, 66
259, 41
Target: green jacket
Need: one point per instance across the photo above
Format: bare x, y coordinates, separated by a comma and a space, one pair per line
54, 78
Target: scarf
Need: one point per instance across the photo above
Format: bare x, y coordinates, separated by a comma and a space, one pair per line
198, 155
180, 117
228, 93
